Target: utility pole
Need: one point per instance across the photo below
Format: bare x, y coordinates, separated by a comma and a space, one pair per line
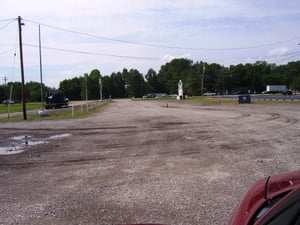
41, 68
100, 87
86, 92
202, 78
5, 79
22, 68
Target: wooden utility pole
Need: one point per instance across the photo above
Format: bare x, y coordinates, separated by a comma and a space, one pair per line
100, 87
22, 68
202, 78
5, 79
41, 68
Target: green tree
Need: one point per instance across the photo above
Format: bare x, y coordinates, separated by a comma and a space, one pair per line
16, 90
194, 80
93, 84
118, 85
240, 81
214, 78
71, 88
295, 85
259, 70
170, 74
108, 86
135, 84
3, 94
292, 72
152, 85
33, 91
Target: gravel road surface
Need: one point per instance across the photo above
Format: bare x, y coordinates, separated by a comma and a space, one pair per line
140, 161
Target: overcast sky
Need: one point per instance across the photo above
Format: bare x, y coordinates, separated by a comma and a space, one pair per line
109, 35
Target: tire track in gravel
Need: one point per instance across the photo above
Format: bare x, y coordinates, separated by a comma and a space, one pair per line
94, 159
282, 120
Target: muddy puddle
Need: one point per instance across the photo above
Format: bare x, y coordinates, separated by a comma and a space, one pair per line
21, 143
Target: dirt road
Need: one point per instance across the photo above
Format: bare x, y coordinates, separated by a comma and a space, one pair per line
138, 161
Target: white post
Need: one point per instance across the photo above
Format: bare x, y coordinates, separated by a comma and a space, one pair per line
180, 90
100, 87
202, 79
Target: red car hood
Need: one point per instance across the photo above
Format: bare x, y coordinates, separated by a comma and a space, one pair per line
261, 192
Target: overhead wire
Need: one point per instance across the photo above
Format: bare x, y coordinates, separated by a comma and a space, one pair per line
92, 53
165, 46
11, 21
15, 55
5, 20
288, 56
7, 51
133, 43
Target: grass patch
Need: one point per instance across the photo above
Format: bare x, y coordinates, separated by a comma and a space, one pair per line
219, 100
275, 102
18, 107
198, 100
58, 114
212, 100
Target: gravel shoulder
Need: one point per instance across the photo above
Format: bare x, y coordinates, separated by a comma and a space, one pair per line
139, 161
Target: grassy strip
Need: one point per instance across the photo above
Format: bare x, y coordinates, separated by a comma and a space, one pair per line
217, 100
198, 100
212, 100
57, 114
18, 107
275, 102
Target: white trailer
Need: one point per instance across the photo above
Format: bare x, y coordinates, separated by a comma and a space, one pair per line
272, 89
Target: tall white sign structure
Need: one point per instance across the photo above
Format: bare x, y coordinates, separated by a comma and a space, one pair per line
180, 91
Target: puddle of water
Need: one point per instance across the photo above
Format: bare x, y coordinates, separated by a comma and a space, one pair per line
10, 150
19, 147
19, 138
32, 143
20, 143
59, 136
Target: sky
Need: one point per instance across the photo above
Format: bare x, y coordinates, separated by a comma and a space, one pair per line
109, 35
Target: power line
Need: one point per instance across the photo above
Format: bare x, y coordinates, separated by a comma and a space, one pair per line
1, 28
288, 56
165, 46
5, 20
92, 53
10, 50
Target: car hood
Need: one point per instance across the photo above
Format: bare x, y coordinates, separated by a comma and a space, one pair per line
261, 192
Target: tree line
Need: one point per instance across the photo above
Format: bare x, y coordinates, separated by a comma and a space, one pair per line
250, 77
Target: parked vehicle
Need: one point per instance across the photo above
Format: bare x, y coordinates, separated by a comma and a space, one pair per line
150, 96
6, 102
209, 94
273, 200
56, 100
287, 93
275, 89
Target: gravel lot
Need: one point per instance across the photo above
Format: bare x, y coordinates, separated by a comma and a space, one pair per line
139, 161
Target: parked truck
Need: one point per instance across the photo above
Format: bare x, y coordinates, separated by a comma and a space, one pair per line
277, 89
56, 100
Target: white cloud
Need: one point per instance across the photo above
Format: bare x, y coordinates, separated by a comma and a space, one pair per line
278, 52
168, 57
